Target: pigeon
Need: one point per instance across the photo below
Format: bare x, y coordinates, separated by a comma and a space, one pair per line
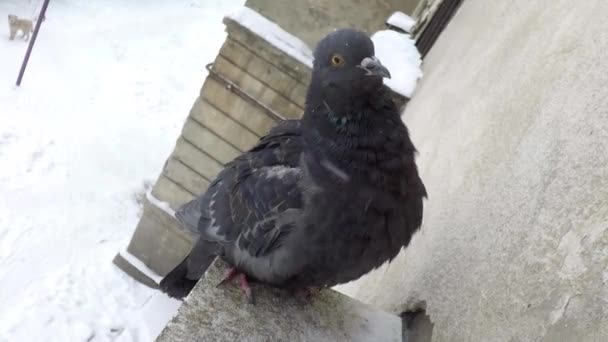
318, 201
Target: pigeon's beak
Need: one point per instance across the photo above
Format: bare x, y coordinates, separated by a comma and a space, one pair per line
373, 67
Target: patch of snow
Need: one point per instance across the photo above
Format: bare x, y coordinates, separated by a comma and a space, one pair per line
153, 317
273, 34
398, 53
164, 206
107, 89
402, 21
349, 289
375, 325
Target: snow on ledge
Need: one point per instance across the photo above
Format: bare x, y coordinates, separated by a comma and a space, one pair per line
164, 206
143, 268
398, 52
273, 34
402, 21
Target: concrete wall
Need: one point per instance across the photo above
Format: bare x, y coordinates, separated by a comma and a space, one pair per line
511, 121
311, 20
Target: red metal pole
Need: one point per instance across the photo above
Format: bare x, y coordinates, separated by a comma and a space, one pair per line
32, 41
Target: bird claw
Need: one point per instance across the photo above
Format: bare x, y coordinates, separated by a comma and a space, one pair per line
243, 283
230, 274
244, 286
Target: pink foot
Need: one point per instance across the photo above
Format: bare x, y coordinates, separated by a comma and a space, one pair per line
243, 283
230, 274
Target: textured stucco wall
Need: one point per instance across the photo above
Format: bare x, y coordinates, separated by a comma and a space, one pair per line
511, 121
311, 20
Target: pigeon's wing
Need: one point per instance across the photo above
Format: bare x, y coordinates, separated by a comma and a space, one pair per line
255, 197
270, 201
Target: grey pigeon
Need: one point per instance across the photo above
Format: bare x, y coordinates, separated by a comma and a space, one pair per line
318, 201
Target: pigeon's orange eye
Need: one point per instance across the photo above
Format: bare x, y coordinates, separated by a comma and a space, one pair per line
337, 60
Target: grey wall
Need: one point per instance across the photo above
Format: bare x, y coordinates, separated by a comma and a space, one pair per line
511, 121
310, 20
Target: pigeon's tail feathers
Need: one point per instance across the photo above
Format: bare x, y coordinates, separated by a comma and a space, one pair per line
176, 284
181, 280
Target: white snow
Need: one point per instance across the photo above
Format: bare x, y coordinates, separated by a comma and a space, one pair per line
273, 34
150, 320
402, 21
105, 94
135, 262
398, 53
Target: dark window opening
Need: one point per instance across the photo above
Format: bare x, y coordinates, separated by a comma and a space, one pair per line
438, 22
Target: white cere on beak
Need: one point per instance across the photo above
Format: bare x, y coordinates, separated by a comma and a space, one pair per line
367, 61
372, 66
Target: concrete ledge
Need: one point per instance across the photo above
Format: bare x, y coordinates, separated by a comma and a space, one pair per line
249, 115
203, 138
134, 272
221, 314
234, 133
267, 51
263, 92
265, 71
158, 241
185, 176
201, 161
169, 191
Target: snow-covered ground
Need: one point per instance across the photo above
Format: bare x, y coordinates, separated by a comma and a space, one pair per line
102, 102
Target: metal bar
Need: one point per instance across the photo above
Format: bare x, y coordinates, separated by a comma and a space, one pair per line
32, 41
233, 87
436, 25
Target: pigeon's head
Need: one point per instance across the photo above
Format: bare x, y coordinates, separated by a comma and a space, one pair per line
345, 64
